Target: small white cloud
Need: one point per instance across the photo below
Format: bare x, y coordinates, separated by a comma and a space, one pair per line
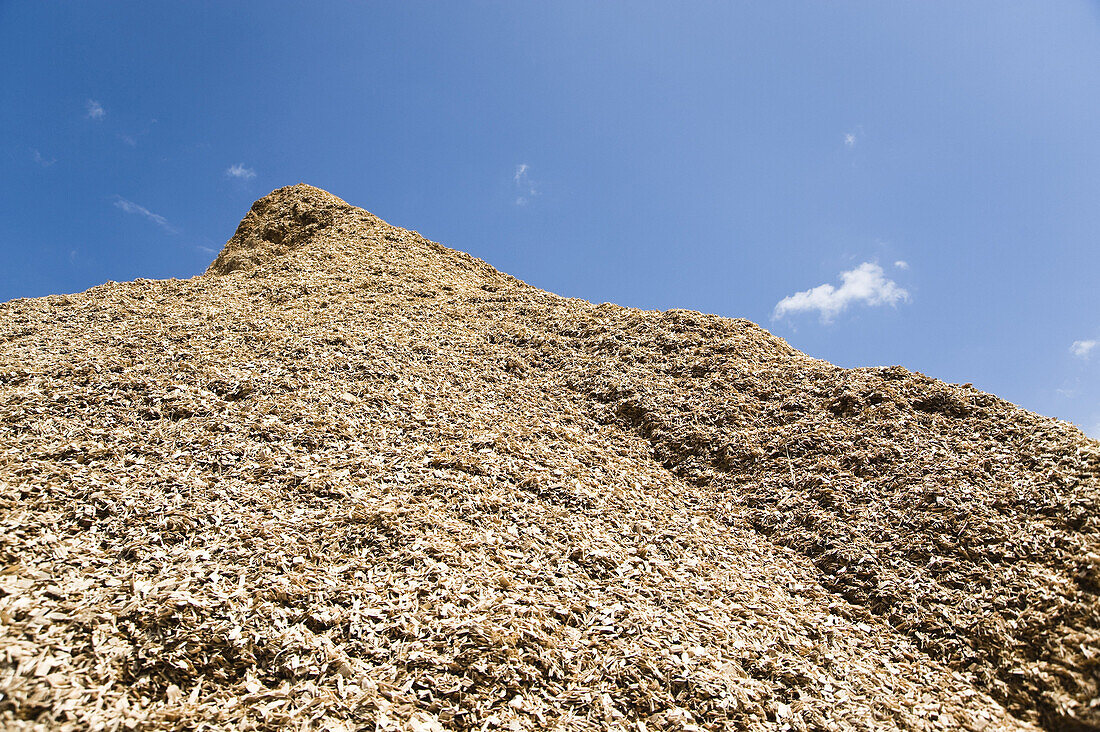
1082, 349
849, 139
865, 284
133, 208
525, 187
94, 109
128, 140
208, 250
241, 172
41, 159
901, 264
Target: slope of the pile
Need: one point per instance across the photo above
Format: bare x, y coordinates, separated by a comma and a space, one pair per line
965, 523
349, 477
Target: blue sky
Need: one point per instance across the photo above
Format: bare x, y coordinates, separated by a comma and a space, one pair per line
878, 183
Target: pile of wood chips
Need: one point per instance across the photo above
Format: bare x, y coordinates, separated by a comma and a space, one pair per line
351, 479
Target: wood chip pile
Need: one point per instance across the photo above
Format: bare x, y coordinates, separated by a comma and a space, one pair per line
351, 479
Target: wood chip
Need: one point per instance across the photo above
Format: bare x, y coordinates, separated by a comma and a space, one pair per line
351, 479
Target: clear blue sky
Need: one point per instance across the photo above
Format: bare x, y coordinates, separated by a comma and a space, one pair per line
714, 156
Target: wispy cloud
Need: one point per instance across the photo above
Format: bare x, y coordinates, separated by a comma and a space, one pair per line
525, 187
901, 264
853, 137
42, 159
133, 208
132, 142
240, 172
94, 109
1083, 349
866, 284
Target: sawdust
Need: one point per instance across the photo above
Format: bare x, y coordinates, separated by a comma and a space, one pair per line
352, 479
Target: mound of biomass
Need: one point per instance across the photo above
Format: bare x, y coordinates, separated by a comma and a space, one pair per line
351, 479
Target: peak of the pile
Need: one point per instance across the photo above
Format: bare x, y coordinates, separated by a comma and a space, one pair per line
281, 221
300, 193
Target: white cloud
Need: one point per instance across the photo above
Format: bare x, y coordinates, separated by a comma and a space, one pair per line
241, 172
525, 187
133, 208
41, 159
1082, 349
865, 284
95, 109
849, 139
128, 140
901, 264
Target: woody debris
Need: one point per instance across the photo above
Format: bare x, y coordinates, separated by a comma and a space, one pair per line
350, 479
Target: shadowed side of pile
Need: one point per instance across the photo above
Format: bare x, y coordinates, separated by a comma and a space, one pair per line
352, 478
964, 522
